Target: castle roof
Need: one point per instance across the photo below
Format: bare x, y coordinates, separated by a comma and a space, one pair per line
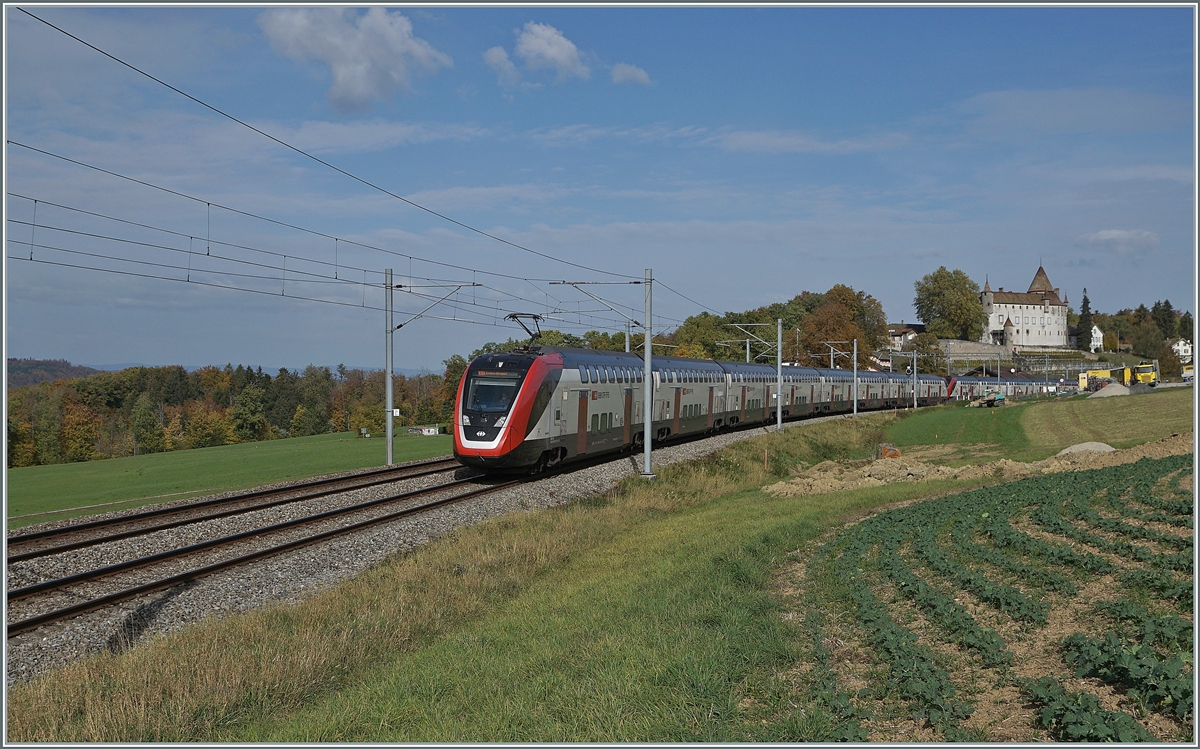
1040, 291
1041, 282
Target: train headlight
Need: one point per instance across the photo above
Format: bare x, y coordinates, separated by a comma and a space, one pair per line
466, 420
500, 422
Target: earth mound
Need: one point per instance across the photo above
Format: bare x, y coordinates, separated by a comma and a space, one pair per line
1109, 390
834, 476
1083, 447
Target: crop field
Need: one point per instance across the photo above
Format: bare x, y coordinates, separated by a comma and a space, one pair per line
1051, 608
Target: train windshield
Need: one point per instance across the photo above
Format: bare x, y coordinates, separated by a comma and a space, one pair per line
492, 392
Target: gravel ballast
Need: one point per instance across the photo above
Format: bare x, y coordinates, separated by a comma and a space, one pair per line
289, 577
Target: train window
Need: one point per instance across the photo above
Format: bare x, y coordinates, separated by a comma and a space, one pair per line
595, 422
638, 372
583, 373
595, 374
611, 376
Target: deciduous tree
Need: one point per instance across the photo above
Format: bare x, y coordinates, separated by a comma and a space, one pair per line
948, 303
1147, 339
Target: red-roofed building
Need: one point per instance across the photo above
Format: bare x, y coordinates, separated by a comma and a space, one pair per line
1034, 318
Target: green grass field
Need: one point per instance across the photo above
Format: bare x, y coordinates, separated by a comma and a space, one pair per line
1035, 429
40, 493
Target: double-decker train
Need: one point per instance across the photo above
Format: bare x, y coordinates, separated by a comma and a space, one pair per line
544, 406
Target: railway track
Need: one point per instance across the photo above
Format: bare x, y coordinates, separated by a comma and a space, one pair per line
25, 546
38, 604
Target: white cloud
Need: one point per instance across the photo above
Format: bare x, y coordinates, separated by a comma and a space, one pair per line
623, 73
371, 56
544, 47
790, 141
1121, 242
497, 59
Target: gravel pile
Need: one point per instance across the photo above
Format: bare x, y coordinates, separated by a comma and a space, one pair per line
291, 576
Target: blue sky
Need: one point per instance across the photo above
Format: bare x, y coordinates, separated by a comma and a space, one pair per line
743, 154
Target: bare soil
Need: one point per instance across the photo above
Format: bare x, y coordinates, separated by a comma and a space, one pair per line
833, 476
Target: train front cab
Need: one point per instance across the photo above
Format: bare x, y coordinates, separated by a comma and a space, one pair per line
501, 399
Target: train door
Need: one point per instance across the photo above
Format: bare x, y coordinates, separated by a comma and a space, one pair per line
559, 427
581, 432
628, 423
675, 420
742, 412
711, 397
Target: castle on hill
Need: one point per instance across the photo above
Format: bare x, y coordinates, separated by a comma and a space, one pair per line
1031, 319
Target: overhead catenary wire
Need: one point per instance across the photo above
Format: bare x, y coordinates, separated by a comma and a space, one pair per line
334, 278
278, 222
224, 286
319, 160
470, 307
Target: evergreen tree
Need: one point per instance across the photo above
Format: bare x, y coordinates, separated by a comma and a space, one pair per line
147, 432
1164, 317
1085, 324
1186, 329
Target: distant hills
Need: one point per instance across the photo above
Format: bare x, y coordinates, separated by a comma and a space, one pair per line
22, 372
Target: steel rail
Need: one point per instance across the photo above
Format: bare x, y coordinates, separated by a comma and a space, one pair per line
130, 564
143, 530
33, 622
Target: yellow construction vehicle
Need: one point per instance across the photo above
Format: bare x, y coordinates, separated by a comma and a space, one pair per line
1189, 373
1147, 372
1094, 379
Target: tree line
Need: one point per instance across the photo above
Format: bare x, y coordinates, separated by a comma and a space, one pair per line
155, 409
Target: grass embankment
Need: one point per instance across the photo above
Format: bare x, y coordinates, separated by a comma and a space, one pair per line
649, 615
57, 492
1036, 429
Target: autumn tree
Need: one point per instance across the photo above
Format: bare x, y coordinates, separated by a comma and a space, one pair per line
832, 321
948, 303
928, 350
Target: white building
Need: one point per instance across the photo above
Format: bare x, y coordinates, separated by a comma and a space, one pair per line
1031, 319
1183, 349
1097, 339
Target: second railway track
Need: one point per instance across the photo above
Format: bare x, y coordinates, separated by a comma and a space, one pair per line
36, 604
31, 545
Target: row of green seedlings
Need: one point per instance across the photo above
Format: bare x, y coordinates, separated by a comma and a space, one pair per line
1149, 680
1152, 681
972, 515
1169, 511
